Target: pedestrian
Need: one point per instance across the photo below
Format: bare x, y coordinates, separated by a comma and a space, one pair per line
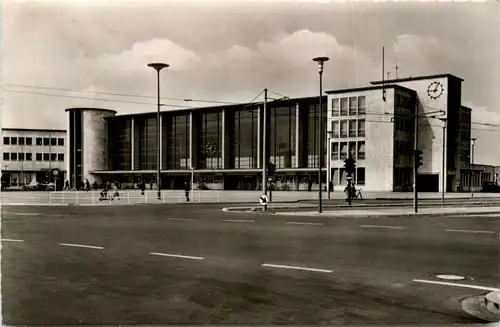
142, 186
66, 185
88, 185
151, 185
82, 186
95, 185
187, 189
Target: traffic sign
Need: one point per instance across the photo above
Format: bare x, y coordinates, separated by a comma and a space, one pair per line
264, 200
55, 172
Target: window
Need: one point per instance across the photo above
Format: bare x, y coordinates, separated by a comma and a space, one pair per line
39, 141
344, 102
21, 156
361, 105
335, 107
361, 127
6, 156
343, 128
60, 141
353, 106
53, 141
29, 141
13, 156
335, 129
360, 174
352, 150
46, 141
38, 157
53, 157
335, 151
21, 141
6, 140
13, 140
343, 150
352, 128
46, 157
29, 156
60, 157
361, 150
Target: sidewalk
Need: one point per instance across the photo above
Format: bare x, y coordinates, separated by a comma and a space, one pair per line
399, 212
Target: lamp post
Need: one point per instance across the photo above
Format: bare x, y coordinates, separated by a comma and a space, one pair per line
471, 165
328, 160
320, 61
158, 66
443, 186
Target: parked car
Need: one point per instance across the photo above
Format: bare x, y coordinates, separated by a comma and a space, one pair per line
33, 186
50, 187
490, 187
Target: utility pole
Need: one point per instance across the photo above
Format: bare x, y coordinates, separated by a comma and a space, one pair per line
396, 67
265, 162
388, 75
415, 163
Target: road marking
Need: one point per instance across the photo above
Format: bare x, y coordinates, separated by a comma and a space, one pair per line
470, 231
484, 288
177, 256
302, 223
10, 240
239, 221
296, 268
450, 277
377, 226
179, 218
82, 246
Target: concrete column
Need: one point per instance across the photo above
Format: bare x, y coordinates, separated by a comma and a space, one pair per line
69, 148
132, 143
191, 141
223, 145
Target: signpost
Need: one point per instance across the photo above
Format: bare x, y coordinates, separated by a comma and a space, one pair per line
264, 200
55, 173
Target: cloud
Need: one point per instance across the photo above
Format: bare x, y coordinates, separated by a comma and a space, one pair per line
142, 53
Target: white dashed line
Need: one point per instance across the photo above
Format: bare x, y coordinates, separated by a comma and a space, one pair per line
82, 246
302, 223
376, 226
179, 218
239, 221
470, 231
177, 256
477, 287
10, 240
296, 268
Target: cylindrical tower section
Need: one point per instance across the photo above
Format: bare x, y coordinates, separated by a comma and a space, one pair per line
87, 146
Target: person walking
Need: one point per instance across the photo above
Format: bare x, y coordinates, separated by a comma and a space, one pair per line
187, 188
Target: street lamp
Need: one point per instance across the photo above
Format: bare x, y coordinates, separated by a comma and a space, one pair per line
329, 159
471, 164
158, 66
443, 186
320, 61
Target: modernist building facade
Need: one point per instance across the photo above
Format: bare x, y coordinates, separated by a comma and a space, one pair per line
31, 155
221, 147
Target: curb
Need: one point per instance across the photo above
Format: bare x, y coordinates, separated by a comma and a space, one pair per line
404, 215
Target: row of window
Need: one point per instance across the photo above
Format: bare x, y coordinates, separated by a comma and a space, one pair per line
465, 136
355, 150
404, 124
351, 106
14, 156
339, 176
403, 148
402, 100
465, 155
465, 117
348, 128
52, 141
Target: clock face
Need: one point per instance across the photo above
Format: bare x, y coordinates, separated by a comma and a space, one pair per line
435, 90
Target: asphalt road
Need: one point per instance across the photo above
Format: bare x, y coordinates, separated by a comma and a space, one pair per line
210, 267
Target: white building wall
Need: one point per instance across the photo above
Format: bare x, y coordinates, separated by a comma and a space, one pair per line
94, 143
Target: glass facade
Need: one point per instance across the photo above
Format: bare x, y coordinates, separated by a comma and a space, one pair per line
282, 137
244, 139
314, 128
121, 144
210, 141
176, 142
147, 143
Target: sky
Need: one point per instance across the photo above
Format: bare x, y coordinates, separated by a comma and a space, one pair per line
228, 51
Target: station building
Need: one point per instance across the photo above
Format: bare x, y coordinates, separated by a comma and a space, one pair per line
220, 147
